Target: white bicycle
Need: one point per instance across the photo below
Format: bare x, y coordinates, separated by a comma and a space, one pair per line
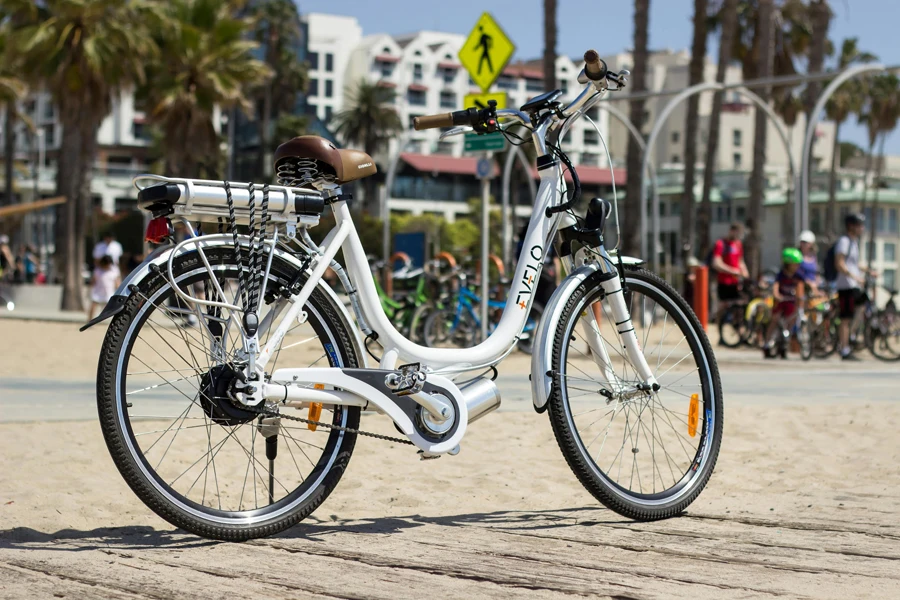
232, 378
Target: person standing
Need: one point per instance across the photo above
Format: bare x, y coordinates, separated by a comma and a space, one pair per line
728, 262
108, 246
105, 281
849, 279
809, 268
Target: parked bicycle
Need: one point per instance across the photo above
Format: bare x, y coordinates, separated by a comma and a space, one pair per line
243, 426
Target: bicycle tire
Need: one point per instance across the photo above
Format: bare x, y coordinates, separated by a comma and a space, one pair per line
128, 455
879, 341
733, 321
613, 495
439, 330
804, 337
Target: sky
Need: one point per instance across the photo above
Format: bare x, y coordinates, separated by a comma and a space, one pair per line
607, 27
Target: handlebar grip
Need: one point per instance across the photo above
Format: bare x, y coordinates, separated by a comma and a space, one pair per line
594, 67
433, 121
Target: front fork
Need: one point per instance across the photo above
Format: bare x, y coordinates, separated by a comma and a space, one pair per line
614, 294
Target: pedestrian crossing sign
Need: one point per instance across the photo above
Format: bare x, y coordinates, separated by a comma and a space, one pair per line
486, 52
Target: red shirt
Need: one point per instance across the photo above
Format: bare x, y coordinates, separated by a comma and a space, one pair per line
731, 257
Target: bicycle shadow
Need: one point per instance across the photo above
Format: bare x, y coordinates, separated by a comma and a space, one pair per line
529, 520
119, 538
146, 537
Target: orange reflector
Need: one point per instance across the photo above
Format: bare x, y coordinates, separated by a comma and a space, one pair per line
315, 409
693, 415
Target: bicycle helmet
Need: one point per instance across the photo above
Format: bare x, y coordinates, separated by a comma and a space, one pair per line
807, 236
855, 219
791, 256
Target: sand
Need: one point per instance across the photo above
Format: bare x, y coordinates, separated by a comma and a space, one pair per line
804, 503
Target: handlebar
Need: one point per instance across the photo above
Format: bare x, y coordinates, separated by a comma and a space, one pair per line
594, 67
482, 120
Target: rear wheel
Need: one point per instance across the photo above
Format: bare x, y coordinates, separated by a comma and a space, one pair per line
646, 455
196, 457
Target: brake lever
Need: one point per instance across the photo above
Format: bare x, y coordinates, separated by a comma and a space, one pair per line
455, 131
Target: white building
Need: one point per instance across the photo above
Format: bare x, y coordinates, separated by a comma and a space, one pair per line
331, 41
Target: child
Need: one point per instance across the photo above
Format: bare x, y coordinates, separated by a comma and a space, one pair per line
103, 283
788, 291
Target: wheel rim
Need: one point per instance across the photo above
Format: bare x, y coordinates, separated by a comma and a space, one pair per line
671, 459
176, 471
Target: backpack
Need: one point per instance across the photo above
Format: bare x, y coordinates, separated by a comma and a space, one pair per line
829, 265
726, 250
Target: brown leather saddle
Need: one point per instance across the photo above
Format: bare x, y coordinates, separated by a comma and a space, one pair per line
310, 158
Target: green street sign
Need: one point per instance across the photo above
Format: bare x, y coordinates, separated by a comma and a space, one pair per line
482, 143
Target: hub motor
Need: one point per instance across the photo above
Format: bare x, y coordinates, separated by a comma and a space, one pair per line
216, 387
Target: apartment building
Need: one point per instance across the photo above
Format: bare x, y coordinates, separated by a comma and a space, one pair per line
331, 40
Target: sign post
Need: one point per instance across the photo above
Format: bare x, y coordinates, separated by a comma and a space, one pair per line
485, 169
484, 55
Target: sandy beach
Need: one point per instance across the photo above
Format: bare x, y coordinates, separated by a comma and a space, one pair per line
803, 504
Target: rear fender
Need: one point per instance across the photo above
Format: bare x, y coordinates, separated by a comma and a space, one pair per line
160, 257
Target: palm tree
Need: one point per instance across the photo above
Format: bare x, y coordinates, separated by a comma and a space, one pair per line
12, 89
884, 112
278, 30
370, 122
727, 17
765, 42
845, 101
820, 18
631, 225
81, 51
549, 44
205, 62
698, 61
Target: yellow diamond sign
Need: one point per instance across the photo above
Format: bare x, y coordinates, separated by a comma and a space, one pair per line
486, 52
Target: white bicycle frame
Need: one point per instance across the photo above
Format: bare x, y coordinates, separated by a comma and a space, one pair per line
294, 387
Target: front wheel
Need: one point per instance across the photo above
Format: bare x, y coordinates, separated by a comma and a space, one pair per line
734, 330
644, 454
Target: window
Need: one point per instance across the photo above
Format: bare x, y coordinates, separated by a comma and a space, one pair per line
386, 69
882, 223
505, 82
892, 221
736, 137
49, 110
472, 83
815, 220
564, 86
50, 134
139, 130
329, 62
313, 59
417, 72
676, 159
676, 137
871, 251
593, 113
890, 252
329, 88
591, 137
889, 279
328, 112
415, 97
448, 100
737, 160
313, 87
534, 85
676, 209
662, 208
740, 213
590, 158
386, 50
30, 106
449, 75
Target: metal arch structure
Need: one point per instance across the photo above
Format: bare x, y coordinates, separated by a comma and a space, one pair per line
651, 143
514, 152
801, 207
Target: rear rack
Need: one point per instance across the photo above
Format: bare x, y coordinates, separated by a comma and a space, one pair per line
207, 200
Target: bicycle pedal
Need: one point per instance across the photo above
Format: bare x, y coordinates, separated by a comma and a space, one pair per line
423, 455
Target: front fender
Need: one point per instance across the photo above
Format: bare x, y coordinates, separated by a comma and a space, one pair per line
160, 257
542, 354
